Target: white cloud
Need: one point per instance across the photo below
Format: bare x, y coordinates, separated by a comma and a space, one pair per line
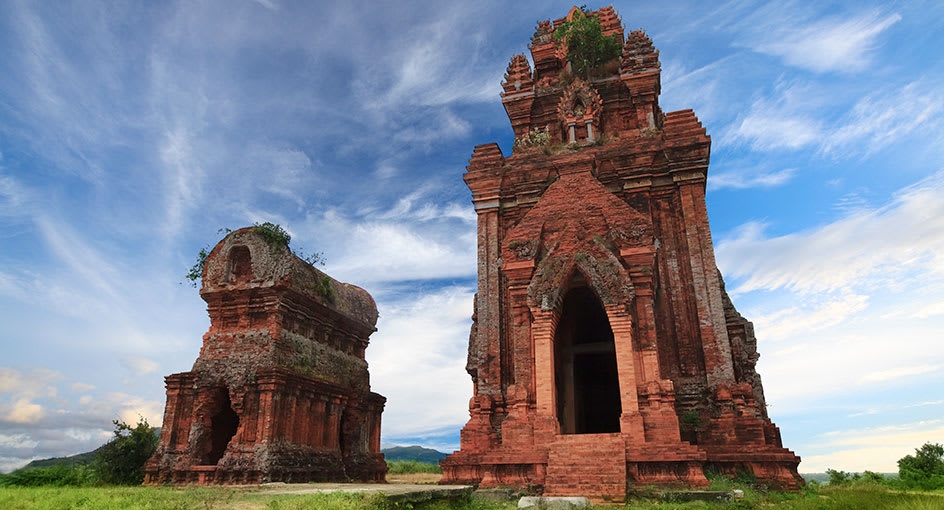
268, 4
16, 440
847, 310
884, 117
697, 88
182, 175
884, 246
796, 116
843, 44
923, 404
745, 179
35, 383
431, 66
415, 239
897, 373
875, 449
80, 257
417, 360
809, 315
139, 365
847, 360
80, 387
23, 411
929, 311
787, 120
14, 197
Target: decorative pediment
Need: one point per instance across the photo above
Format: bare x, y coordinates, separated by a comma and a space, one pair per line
580, 103
577, 226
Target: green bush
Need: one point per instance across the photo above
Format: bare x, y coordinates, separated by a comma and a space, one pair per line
587, 48
924, 469
838, 477
121, 460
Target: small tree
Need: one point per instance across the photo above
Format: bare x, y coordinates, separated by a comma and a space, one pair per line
587, 47
924, 469
121, 460
837, 477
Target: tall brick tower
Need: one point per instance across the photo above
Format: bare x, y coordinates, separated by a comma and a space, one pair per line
604, 353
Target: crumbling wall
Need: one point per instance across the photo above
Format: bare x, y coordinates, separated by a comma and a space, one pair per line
281, 389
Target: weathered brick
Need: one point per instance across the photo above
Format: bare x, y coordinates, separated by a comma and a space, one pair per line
280, 391
602, 234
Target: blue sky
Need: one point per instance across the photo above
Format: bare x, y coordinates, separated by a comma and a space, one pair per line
131, 133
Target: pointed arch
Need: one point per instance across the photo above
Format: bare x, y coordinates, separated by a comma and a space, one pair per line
220, 422
585, 367
600, 269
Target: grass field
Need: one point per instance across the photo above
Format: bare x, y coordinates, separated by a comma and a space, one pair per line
65, 487
862, 496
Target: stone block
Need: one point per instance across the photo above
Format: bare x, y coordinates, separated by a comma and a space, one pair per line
553, 503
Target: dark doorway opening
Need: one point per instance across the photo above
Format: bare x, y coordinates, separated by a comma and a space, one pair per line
240, 268
223, 426
585, 371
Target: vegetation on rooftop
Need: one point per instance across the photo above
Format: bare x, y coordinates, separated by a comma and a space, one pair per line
587, 48
276, 237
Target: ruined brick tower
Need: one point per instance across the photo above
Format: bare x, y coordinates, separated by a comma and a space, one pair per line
280, 391
604, 353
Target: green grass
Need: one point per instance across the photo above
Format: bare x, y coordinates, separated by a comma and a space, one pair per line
401, 467
852, 497
209, 498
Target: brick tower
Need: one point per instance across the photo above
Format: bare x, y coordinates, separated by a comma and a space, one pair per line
280, 391
604, 353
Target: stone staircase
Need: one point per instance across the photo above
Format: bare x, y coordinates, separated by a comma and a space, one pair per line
587, 464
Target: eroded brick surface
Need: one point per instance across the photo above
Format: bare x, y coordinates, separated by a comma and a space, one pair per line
605, 353
280, 391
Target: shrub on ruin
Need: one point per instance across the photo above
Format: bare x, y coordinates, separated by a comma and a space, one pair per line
587, 48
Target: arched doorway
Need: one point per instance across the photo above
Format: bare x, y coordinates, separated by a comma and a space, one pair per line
224, 423
585, 372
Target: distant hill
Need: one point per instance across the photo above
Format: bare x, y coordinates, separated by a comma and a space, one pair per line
79, 458
417, 453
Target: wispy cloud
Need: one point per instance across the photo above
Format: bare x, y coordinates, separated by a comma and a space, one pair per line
182, 179
890, 242
832, 44
811, 314
14, 197
885, 117
744, 179
797, 116
703, 88
140, 365
784, 120
826, 301
414, 239
899, 372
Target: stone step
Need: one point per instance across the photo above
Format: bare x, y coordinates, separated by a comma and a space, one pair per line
581, 464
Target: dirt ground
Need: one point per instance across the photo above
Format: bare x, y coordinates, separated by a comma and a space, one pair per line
414, 478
